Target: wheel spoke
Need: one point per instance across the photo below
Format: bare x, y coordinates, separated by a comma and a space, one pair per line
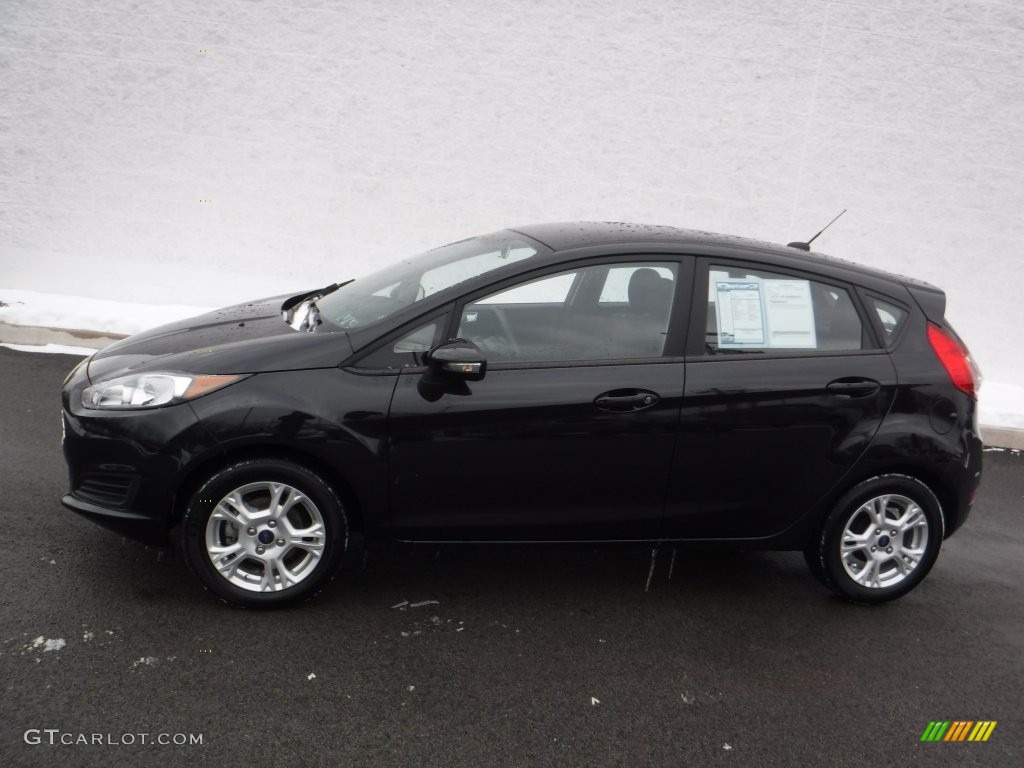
225, 558
222, 514
234, 509
877, 509
314, 531
277, 492
855, 542
293, 498
914, 553
869, 575
276, 575
310, 540
911, 519
232, 569
313, 549
314, 545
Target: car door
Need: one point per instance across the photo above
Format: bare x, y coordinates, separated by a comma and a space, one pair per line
569, 435
785, 388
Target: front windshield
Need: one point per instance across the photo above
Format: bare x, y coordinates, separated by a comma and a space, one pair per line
382, 293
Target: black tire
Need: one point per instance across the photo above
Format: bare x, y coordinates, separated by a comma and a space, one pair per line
812, 556
888, 561
256, 576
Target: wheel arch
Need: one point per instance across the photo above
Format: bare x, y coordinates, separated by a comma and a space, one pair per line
932, 478
202, 470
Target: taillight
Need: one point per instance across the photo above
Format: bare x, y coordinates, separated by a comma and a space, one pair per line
955, 359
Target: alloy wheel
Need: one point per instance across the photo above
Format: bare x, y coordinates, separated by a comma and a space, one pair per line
265, 536
884, 540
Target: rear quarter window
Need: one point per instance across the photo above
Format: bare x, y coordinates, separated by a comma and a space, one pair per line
890, 317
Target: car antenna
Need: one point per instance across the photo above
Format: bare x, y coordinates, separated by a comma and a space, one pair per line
807, 246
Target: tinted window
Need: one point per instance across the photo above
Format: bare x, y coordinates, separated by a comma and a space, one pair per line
454, 272
608, 312
758, 312
616, 285
553, 290
890, 316
407, 350
380, 294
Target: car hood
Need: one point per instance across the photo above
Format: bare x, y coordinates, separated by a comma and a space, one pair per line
243, 338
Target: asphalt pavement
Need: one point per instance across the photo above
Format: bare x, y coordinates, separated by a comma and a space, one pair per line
488, 657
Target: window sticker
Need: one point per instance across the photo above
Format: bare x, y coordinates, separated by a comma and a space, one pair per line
790, 314
740, 308
757, 313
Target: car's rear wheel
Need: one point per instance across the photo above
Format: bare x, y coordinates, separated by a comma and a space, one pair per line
880, 540
264, 533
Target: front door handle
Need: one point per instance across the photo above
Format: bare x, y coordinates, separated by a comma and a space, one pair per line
626, 400
851, 387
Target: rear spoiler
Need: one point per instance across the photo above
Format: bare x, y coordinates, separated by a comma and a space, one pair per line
931, 300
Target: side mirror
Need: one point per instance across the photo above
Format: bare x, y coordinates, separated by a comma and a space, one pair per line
459, 359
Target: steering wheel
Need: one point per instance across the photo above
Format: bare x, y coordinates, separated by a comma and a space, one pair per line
506, 329
494, 336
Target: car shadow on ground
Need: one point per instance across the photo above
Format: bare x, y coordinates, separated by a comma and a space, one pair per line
539, 574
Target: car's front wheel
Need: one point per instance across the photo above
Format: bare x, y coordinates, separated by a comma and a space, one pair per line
880, 540
264, 533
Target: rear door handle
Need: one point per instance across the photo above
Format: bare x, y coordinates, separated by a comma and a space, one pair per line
851, 387
626, 400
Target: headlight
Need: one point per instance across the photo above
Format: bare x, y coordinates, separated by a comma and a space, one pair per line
147, 390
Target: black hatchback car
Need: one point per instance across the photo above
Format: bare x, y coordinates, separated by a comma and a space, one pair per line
582, 382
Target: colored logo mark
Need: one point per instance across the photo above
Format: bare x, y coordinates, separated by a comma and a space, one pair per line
958, 730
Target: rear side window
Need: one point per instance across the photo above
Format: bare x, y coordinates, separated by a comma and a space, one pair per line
758, 312
890, 317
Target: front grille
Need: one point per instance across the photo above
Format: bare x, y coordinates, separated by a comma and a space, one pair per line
107, 490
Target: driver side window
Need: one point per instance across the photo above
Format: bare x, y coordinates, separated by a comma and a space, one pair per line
605, 312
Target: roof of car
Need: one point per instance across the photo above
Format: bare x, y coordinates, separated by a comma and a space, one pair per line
564, 236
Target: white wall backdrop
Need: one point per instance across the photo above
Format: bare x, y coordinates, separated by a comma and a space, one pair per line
330, 136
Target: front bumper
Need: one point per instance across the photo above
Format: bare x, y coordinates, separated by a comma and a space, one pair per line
134, 525
125, 467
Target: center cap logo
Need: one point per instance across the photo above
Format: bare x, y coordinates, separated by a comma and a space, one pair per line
882, 542
265, 537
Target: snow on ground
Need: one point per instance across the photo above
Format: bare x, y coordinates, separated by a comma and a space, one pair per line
1000, 404
54, 310
54, 349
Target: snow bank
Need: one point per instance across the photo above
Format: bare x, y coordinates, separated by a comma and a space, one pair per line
1001, 405
54, 310
53, 349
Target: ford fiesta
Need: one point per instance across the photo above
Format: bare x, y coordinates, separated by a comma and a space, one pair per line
552, 383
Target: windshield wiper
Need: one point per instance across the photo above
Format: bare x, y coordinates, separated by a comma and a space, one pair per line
304, 317
313, 317
301, 312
